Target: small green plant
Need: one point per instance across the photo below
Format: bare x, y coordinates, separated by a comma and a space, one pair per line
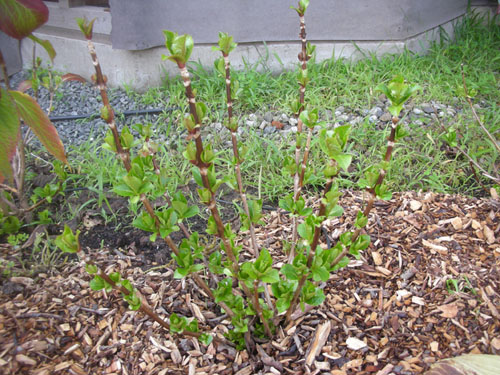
15, 240
6, 268
257, 296
462, 285
485, 159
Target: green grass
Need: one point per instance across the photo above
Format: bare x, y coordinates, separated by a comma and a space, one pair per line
422, 162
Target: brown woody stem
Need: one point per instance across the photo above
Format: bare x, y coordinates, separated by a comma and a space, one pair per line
125, 157
144, 307
110, 119
237, 167
203, 168
302, 89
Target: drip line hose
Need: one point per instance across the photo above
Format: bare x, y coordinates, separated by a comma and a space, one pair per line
132, 112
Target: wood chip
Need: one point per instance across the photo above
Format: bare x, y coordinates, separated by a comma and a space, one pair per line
440, 249
434, 346
354, 343
489, 235
457, 223
377, 258
448, 311
25, 360
318, 342
495, 343
415, 205
418, 300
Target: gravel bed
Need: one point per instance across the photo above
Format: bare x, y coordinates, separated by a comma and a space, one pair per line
75, 98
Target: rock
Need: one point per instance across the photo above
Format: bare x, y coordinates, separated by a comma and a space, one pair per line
293, 121
417, 111
327, 114
269, 130
340, 109
268, 116
263, 125
377, 111
373, 119
386, 117
337, 113
252, 117
427, 109
293, 129
343, 118
284, 118
250, 123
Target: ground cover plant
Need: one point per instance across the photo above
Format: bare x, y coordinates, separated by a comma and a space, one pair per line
425, 163
256, 296
17, 108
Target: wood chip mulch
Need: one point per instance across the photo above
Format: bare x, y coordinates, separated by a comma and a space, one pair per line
426, 289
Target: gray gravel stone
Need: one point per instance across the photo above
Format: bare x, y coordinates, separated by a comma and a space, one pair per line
417, 111
270, 130
386, 117
376, 111
268, 116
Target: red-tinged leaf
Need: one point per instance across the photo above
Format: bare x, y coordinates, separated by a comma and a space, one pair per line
9, 128
24, 86
46, 45
73, 77
37, 120
18, 18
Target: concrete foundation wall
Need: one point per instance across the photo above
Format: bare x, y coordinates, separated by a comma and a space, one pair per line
375, 26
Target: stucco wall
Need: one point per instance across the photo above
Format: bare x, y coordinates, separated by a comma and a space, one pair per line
137, 24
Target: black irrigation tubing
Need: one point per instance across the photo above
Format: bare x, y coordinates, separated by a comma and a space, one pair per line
132, 112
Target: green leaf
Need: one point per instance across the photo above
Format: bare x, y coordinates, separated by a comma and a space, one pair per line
11, 224
290, 272
86, 27
361, 220
97, 283
19, 18
134, 302
264, 262
91, 269
115, 277
9, 128
67, 241
205, 339
211, 226
215, 263
179, 46
226, 44
271, 276
343, 159
46, 45
311, 294
37, 120
320, 274
127, 285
